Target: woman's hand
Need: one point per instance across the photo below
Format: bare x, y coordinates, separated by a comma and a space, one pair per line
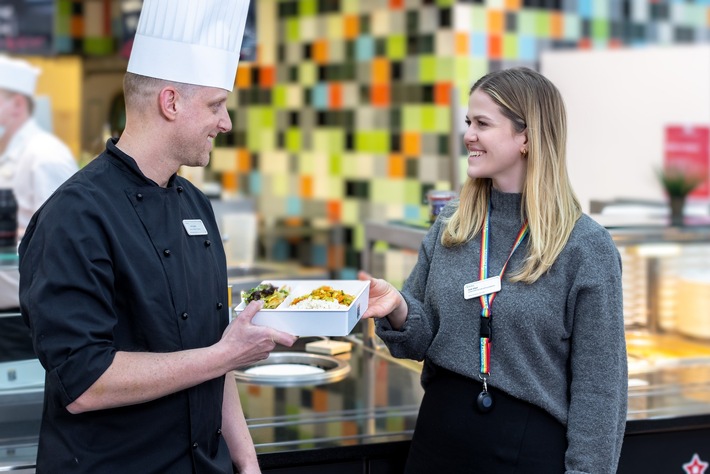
384, 301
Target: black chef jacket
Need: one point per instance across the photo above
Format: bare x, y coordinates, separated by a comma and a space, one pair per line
114, 262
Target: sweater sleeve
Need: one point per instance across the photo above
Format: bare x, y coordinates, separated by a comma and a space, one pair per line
414, 338
598, 364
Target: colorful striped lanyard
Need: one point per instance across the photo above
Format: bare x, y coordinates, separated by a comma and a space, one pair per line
487, 299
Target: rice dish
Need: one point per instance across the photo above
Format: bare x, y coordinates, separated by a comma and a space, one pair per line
310, 303
323, 297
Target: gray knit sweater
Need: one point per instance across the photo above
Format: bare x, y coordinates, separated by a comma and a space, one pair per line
558, 343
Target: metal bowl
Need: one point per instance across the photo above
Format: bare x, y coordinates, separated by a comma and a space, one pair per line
289, 369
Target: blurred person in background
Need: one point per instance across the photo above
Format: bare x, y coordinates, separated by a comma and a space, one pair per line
124, 276
33, 163
514, 305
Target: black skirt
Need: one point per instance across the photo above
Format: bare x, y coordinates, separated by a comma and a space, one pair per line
451, 435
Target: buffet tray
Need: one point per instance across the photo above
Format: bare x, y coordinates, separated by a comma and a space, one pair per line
314, 322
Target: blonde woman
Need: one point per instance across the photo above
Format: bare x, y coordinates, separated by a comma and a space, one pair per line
514, 305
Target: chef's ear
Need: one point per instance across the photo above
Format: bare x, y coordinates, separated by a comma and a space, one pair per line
167, 102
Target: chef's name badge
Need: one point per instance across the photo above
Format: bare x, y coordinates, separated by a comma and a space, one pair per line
194, 227
481, 287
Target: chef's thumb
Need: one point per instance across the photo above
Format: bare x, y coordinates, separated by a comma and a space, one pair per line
251, 309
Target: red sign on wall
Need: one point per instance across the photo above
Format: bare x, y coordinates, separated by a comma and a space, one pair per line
688, 149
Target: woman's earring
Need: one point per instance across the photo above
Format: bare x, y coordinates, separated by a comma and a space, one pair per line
524, 151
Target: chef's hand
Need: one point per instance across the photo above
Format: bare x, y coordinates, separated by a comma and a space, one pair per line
248, 343
385, 300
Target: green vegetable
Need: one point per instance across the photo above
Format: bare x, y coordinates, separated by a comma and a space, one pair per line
271, 295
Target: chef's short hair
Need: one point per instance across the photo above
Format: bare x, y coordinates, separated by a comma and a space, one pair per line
139, 90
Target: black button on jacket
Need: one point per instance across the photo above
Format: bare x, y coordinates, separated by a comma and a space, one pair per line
107, 265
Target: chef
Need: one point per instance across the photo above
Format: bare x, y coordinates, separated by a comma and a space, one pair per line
33, 163
123, 274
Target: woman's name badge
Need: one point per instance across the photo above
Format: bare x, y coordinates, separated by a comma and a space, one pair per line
194, 227
481, 287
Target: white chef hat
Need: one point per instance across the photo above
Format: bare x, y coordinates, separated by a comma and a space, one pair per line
17, 75
191, 41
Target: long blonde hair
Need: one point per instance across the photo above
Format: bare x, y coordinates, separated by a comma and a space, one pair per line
549, 204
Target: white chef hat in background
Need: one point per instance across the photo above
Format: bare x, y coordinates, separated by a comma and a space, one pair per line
17, 75
190, 41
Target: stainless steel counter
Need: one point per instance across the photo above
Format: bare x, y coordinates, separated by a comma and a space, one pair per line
376, 406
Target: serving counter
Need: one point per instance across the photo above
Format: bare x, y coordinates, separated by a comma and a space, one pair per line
363, 422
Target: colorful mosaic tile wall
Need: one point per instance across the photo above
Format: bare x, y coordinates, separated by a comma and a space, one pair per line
86, 27
354, 109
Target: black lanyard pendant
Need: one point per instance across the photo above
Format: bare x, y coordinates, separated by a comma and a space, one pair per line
485, 399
